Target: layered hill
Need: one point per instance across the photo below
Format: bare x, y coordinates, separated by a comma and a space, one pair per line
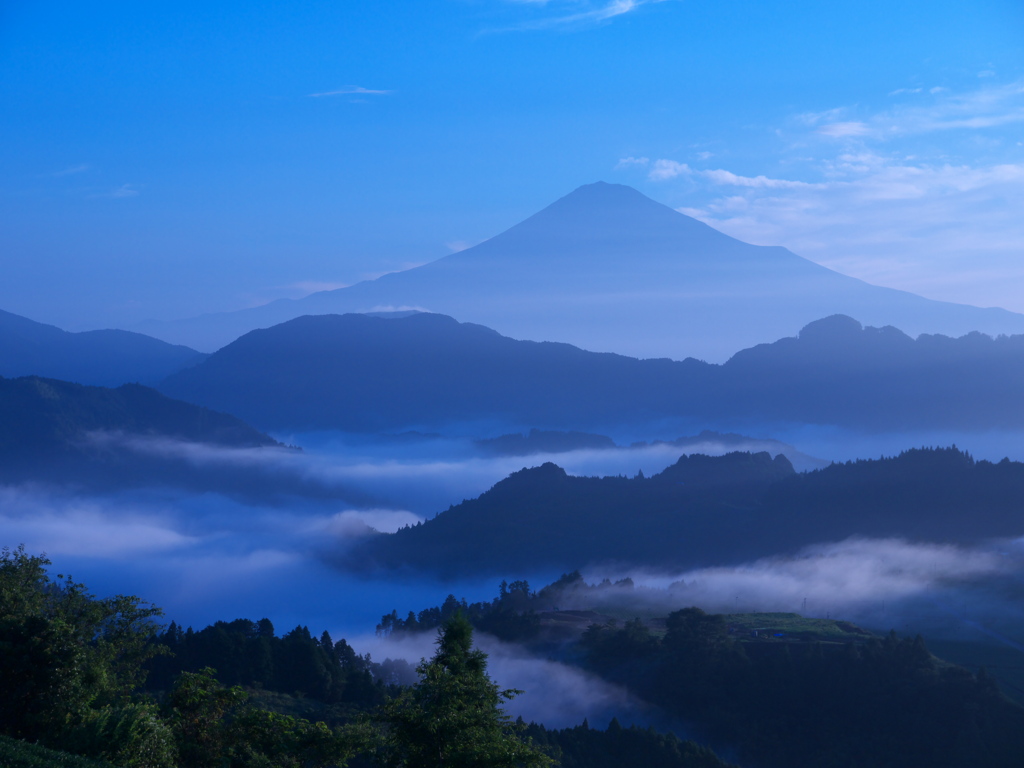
111, 439
705, 511
103, 358
425, 371
608, 269
47, 416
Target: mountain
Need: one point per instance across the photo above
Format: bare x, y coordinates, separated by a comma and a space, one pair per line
426, 371
112, 439
358, 373
103, 358
705, 511
608, 269
40, 415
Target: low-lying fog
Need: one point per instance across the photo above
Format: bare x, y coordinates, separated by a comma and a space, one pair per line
209, 556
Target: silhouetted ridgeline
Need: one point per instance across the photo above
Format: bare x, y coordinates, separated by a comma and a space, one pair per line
607, 268
105, 358
360, 373
706, 511
57, 431
39, 414
543, 441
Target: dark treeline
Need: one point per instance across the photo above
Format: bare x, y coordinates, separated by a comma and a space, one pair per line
249, 654
706, 511
359, 373
842, 700
878, 703
74, 693
511, 616
586, 747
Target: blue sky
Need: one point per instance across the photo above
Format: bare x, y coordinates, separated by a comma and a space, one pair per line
164, 160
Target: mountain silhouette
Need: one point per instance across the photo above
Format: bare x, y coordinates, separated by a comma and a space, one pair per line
103, 358
79, 438
608, 269
45, 417
426, 372
704, 511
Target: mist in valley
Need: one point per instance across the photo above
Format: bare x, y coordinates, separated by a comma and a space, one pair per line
221, 555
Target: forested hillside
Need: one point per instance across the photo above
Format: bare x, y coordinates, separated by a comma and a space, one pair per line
706, 511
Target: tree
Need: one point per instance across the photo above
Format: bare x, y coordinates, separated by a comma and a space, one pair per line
214, 726
64, 654
453, 717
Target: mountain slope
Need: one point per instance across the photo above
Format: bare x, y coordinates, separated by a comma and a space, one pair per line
45, 416
705, 511
608, 269
102, 358
424, 371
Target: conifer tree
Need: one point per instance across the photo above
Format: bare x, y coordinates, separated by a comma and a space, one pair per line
453, 716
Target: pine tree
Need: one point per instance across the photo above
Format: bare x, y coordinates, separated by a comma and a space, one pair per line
453, 716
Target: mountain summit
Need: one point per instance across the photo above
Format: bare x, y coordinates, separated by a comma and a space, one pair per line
608, 269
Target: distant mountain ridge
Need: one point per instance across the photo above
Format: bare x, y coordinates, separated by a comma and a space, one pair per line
704, 511
73, 437
48, 416
608, 269
425, 371
102, 358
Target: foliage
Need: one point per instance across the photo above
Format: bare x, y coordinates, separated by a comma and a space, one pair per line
509, 616
618, 747
249, 653
131, 735
213, 726
22, 754
65, 654
453, 716
541, 518
879, 702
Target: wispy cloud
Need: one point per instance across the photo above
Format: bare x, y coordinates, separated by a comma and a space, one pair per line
924, 195
72, 170
668, 169
558, 14
121, 192
630, 162
352, 90
988, 107
125, 190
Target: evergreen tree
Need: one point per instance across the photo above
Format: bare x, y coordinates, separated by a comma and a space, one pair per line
453, 716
